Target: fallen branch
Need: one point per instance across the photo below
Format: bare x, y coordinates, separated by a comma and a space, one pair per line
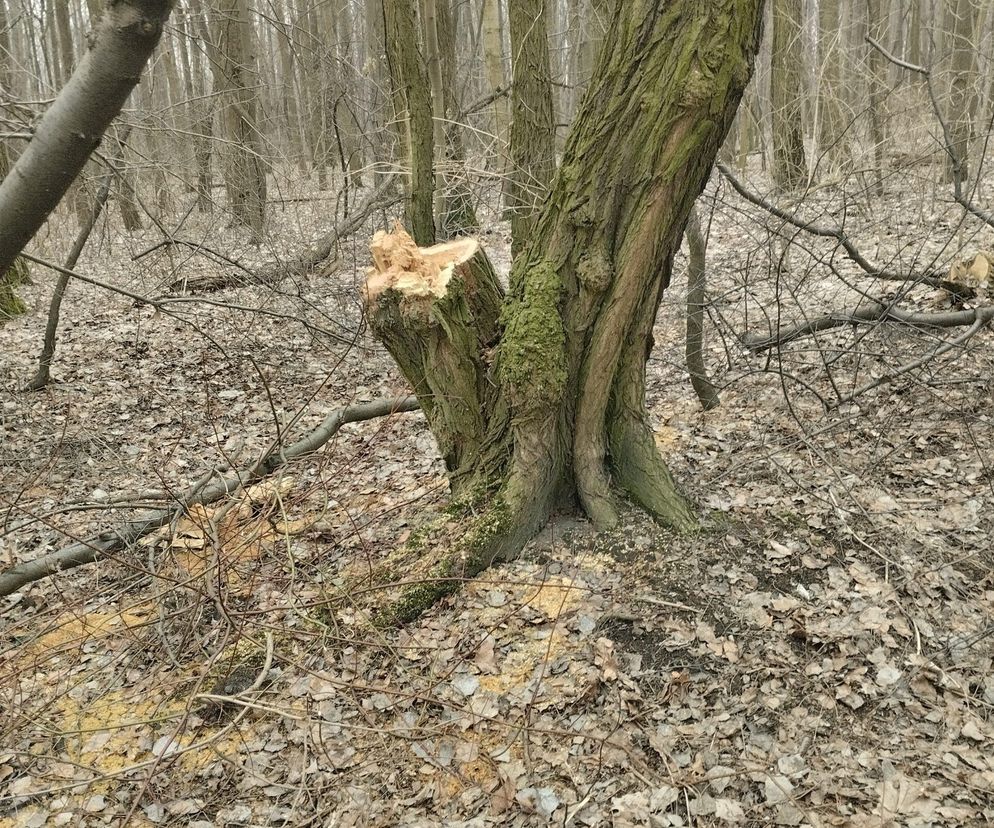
382, 197
836, 233
984, 317
107, 543
867, 312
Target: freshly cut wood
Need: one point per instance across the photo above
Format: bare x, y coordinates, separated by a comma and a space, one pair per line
399, 264
437, 310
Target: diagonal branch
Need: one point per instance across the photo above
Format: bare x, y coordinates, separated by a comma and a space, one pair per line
836, 233
107, 543
984, 317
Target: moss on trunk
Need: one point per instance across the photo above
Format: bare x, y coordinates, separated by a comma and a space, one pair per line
547, 406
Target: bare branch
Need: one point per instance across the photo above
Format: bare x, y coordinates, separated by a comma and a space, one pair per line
984, 317
817, 230
72, 127
107, 543
382, 197
871, 311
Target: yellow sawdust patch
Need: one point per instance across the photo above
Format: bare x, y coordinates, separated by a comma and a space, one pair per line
74, 630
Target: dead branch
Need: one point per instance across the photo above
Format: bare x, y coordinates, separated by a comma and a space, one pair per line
382, 197
954, 157
836, 233
868, 312
123, 536
984, 317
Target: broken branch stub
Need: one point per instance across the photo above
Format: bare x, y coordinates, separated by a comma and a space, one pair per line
437, 311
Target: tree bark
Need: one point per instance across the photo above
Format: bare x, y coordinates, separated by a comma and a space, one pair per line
790, 170
493, 55
72, 127
533, 128
696, 286
833, 142
235, 81
961, 25
17, 273
412, 92
457, 215
537, 400
876, 27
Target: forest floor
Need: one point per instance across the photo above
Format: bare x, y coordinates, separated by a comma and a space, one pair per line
819, 654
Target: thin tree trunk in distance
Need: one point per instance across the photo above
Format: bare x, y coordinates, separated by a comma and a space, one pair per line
411, 88
696, 289
533, 128
790, 169
493, 55
961, 26
42, 376
72, 127
458, 215
833, 142
877, 88
236, 82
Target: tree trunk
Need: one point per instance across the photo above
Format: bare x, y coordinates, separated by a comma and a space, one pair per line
533, 127
17, 273
235, 82
493, 54
72, 127
412, 92
833, 142
696, 290
537, 399
458, 215
876, 27
961, 26
790, 170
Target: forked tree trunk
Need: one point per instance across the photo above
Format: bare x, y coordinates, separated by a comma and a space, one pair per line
537, 399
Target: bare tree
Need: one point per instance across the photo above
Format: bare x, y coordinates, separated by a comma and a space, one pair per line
533, 128
540, 396
413, 94
790, 169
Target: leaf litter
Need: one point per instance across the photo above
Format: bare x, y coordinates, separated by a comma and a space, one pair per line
818, 654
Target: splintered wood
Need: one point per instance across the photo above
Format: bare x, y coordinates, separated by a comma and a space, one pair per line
399, 264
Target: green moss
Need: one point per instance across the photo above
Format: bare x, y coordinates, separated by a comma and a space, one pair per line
472, 555
533, 349
10, 303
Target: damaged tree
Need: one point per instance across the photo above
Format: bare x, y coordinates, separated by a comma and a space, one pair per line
536, 398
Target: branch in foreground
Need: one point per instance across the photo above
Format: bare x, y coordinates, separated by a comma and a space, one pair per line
107, 543
382, 197
72, 127
867, 312
817, 230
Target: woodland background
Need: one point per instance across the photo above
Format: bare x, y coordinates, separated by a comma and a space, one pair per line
819, 654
